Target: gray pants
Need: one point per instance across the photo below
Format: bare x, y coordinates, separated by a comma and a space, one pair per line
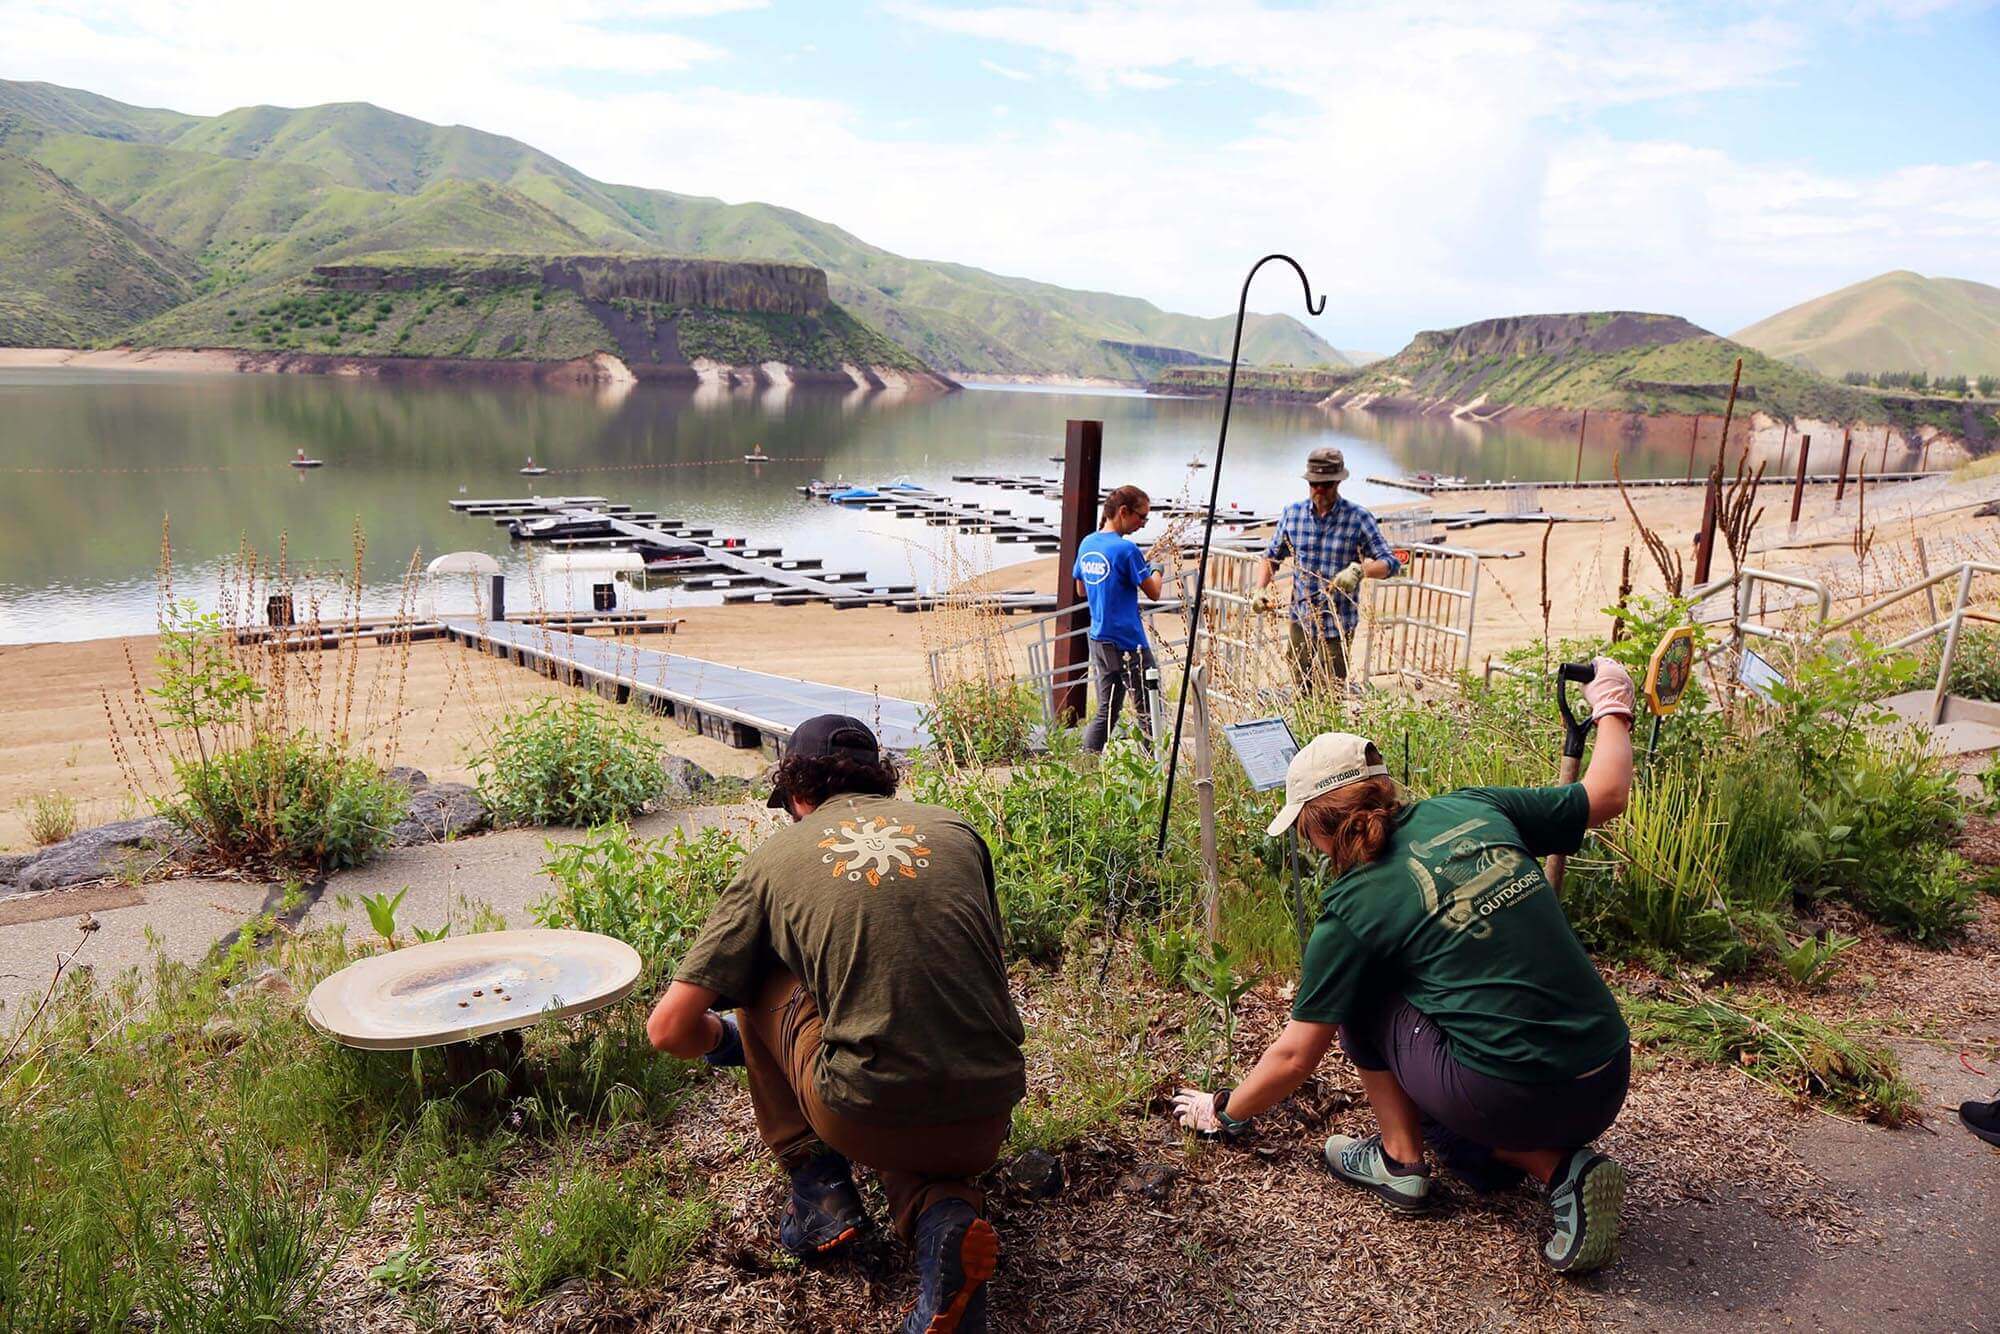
1115, 673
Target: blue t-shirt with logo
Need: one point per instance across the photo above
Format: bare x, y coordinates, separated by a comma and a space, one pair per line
1111, 569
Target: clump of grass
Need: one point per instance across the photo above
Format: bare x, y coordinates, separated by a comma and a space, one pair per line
977, 722
569, 760
1818, 1062
50, 817
287, 801
581, 1223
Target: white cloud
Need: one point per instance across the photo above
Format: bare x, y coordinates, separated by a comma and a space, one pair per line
1006, 71
1428, 167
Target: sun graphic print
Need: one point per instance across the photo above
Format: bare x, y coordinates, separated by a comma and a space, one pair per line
870, 848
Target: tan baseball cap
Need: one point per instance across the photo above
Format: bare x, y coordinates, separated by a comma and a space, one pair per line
1330, 760
1326, 465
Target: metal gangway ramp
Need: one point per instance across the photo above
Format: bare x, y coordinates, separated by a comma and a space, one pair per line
737, 705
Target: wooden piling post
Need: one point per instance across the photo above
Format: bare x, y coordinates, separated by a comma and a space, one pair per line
1694, 435
1083, 454
1783, 441
1846, 448
1582, 422
1799, 484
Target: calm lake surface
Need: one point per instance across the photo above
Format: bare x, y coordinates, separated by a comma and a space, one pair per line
93, 463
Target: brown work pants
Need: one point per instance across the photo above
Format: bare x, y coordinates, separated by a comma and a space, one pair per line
1318, 661
919, 1165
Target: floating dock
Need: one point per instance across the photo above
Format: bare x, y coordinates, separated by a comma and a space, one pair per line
750, 710
1443, 487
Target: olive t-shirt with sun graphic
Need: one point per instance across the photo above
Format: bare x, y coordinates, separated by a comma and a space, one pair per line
885, 911
1456, 917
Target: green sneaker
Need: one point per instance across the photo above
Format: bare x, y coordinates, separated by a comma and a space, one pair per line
1362, 1162
1586, 1195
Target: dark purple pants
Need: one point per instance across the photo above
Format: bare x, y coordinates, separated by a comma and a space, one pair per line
1494, 1113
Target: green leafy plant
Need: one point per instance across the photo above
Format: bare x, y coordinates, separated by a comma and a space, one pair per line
412, 1264
1211, 974
651, 894
976, 722
569, 760
287, 801
382, 913
1809, 959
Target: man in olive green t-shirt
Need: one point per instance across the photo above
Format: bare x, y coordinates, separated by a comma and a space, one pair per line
860, 950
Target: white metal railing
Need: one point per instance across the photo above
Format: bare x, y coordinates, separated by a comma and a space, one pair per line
1420, 622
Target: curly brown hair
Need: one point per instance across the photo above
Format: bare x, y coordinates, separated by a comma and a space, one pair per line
814, 778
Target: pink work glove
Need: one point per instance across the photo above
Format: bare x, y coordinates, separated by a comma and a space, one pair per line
1610, 693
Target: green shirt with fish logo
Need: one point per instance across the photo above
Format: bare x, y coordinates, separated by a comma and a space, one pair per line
1456, 916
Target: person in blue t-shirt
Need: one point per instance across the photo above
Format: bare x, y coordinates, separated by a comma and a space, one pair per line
1110, 573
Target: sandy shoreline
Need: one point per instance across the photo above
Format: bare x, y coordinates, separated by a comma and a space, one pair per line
53, 716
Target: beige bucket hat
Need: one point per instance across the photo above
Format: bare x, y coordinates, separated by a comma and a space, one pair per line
1330, 760
1326, 465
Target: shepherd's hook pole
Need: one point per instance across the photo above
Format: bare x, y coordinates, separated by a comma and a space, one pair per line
1208, 525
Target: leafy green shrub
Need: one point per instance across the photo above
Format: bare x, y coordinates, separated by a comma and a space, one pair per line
1813, 1060
1068, 840
1975, 664
582, 1224
569, 760
287, 801
651, 894
974, 722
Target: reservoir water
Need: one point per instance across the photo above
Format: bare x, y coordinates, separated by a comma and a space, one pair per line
93, 464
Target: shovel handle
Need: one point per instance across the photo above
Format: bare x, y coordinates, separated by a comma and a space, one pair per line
1574, 729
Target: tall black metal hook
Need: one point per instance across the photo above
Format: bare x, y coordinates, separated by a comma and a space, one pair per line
1208, 524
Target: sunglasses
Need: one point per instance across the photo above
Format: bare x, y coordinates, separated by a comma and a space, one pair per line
1321, 486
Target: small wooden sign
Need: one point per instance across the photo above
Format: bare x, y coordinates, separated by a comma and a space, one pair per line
1670, 671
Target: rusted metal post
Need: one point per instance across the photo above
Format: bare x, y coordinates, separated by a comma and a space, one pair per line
1704, 539
1799, 484
1083, 454
1694, 434
1884, 467
1846, 448
1582, 422
1783, 442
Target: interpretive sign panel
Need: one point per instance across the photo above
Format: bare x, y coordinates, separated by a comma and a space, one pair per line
1263, 746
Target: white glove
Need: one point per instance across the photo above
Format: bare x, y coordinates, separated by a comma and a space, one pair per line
1610, 693
1195, 1110
1349, 579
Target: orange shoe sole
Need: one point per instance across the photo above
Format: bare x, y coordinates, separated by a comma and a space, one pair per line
978, 1257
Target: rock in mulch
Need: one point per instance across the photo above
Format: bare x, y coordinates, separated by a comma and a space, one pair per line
437, 811
1155, 1181
1036, 1174
90, 854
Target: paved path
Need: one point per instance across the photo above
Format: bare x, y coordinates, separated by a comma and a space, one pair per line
188, 917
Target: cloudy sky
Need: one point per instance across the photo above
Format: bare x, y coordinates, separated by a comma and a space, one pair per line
1430, 164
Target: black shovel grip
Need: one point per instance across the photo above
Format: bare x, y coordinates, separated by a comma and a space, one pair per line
1583, 673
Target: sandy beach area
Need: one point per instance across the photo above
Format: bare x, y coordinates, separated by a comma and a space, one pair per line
57, 734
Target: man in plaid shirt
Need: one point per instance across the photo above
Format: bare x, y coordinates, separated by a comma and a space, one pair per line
1337, 544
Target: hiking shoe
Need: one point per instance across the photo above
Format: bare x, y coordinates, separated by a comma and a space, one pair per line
1586, 1195
1470, 1161
825, 1210
1982, 1119
1363, 1162
957, 1251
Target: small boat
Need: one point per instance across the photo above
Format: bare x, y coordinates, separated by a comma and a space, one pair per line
299, 460
533, 469
756, 455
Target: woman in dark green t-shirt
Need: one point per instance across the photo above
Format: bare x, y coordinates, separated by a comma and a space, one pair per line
1444, 966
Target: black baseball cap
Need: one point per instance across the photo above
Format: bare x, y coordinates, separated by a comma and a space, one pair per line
826, 736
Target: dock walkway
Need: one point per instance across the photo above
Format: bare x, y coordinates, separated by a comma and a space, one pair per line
744, 708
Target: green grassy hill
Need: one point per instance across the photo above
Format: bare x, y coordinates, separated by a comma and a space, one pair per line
1899, 321
1626, 361
72, 271
261, 193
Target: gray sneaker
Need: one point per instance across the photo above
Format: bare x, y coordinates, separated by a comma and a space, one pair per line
1586, 1196
1362, 1162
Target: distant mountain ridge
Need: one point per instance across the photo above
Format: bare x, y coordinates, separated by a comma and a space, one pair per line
1898, 321
260, 195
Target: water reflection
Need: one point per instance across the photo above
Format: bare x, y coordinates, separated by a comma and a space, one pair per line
94, 463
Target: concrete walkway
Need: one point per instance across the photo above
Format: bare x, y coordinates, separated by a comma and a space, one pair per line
186, 918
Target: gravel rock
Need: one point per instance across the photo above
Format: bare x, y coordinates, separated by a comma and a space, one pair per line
437, 812
91, 854
414, 779
685, 778
1037, 1175
1155, 1181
